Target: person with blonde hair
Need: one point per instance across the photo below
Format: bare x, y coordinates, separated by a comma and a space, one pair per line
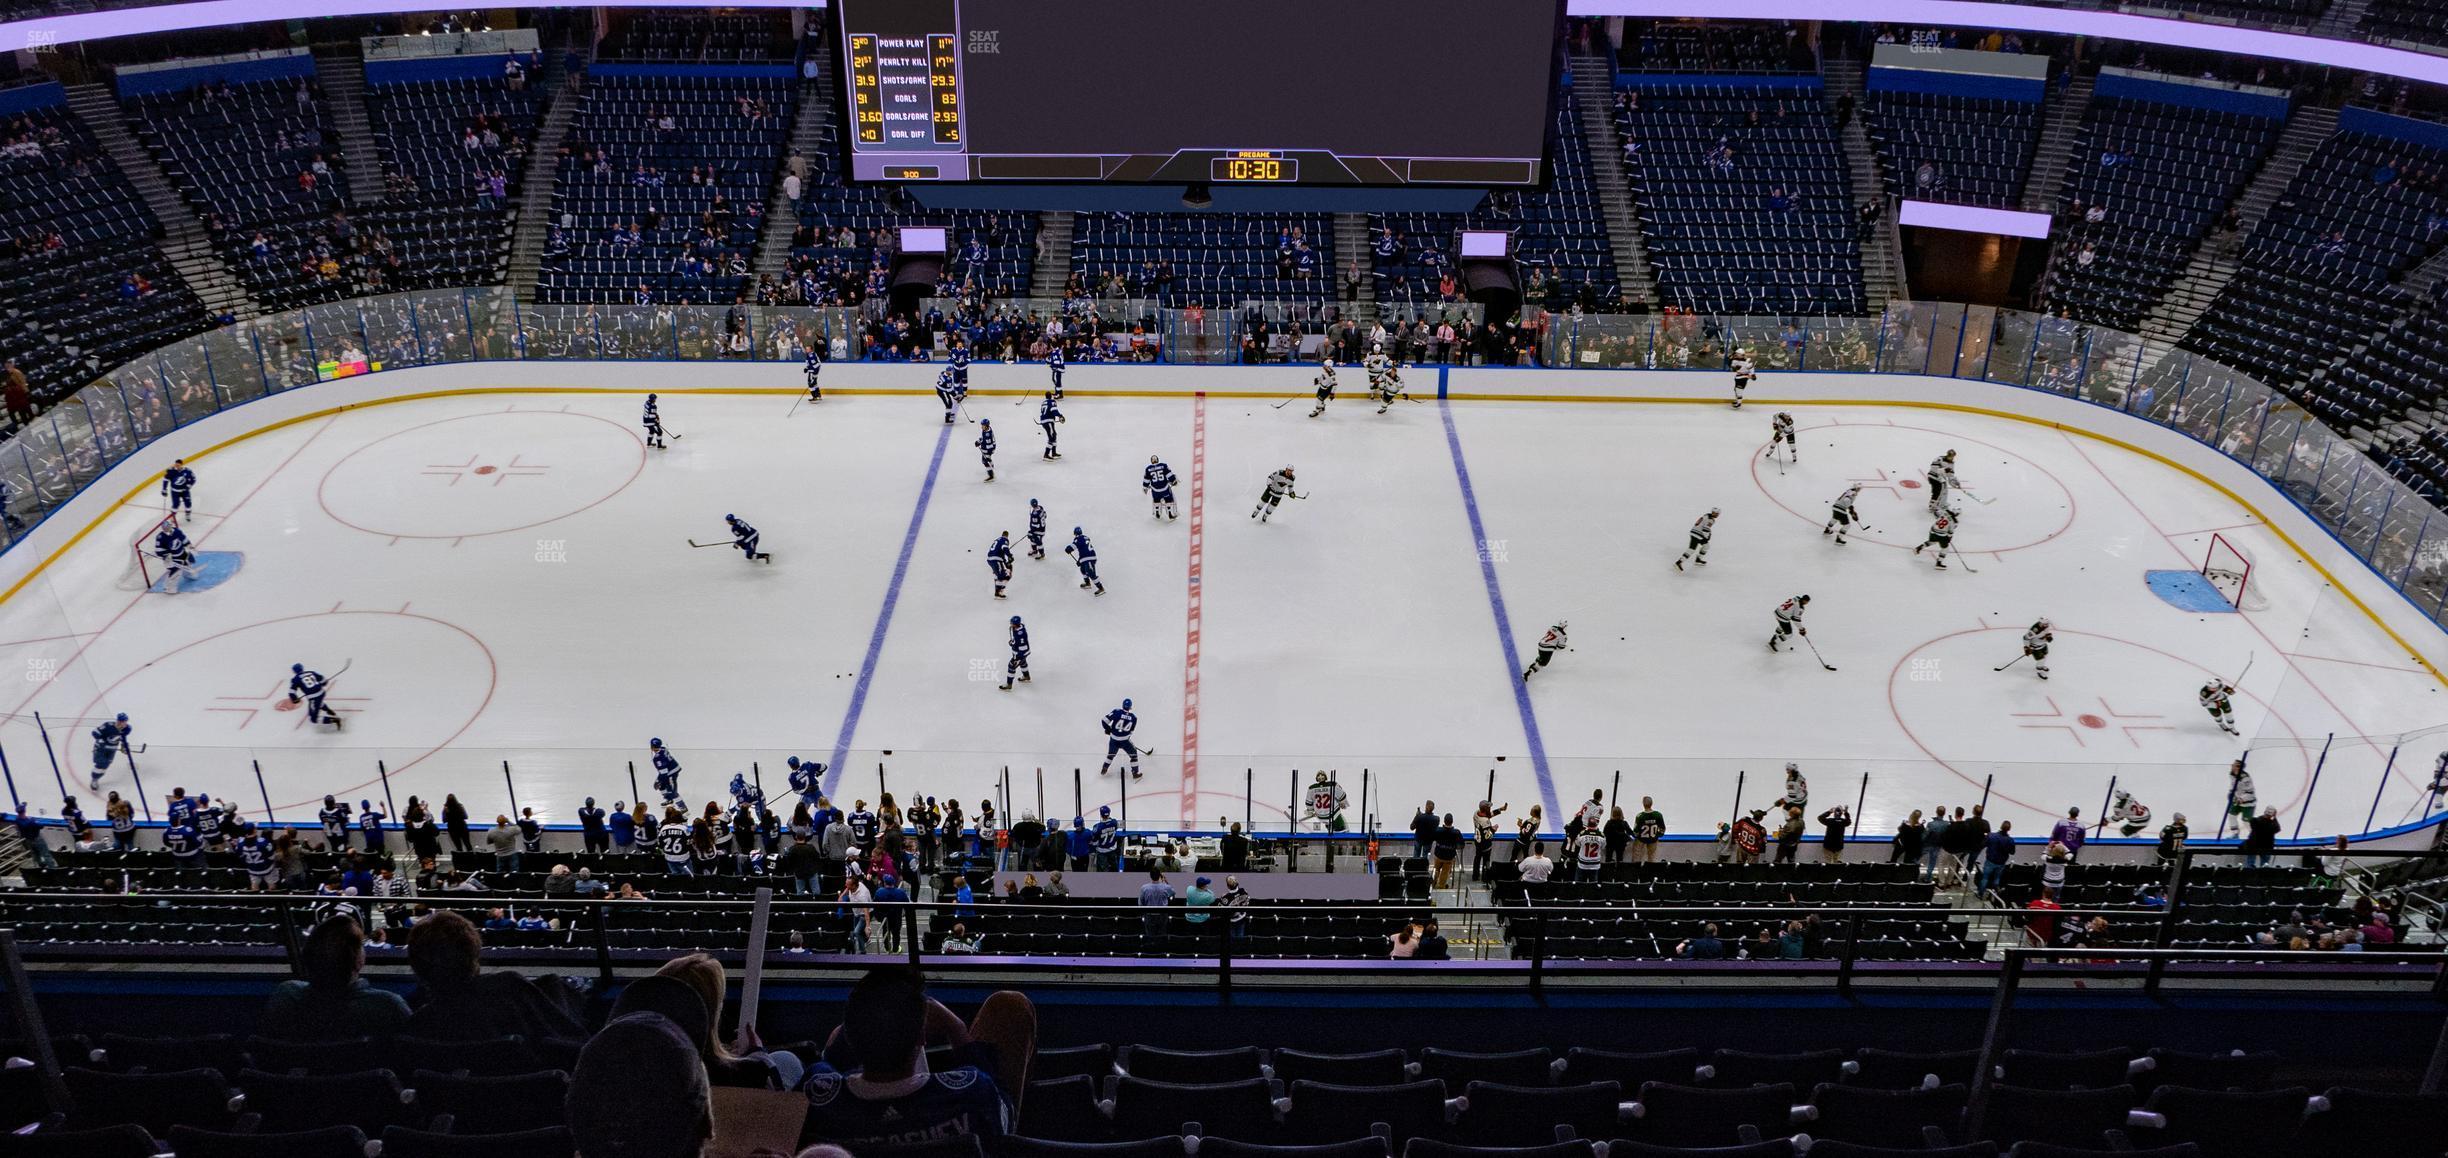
757, 1069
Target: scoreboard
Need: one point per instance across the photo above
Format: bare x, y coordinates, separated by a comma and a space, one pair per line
1442, 92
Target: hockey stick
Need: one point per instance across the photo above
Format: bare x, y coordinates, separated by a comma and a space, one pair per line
2012, 662
1285, 402
1966, 561
1806, 639
2238, 682
695, 543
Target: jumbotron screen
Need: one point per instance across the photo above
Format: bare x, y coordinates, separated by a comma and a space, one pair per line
1356, 92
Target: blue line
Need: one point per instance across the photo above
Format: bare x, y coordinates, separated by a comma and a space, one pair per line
884, 616
1495, 593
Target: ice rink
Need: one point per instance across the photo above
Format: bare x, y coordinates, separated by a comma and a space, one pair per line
509, 579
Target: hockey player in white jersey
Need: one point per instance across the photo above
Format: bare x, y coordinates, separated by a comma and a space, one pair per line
2217, 698
2128, 814
653, 421
1325, 382
1548, 645
1048, 414
1119, 724
1789, 621
1745, 373
1158, 481
1781, 432
2242, 798
1941, 534
1389, 388
948, 392
2036, 641
1376, 364
1797, 788
1941, 479
1696, 549
1324, 803
1841, 515
1278, 485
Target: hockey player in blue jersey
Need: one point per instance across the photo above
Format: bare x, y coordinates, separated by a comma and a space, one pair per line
666, 770
1018, 665
999, 561
1036, 530
806, 778
745, 538
110, 738
1119, 724
310, 688
949, 393
1083, 553
1047, 415
654, 424
986, 444
177, 553
960, 366
1158, 481
178, 487
815, 366
1054, 365
745, 794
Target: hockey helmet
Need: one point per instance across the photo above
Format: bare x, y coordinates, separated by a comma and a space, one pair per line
1080, 533
1152, 460
297, 669
1126, 704
1801, 598
985, 422
123, 717
1015, 621
657, 742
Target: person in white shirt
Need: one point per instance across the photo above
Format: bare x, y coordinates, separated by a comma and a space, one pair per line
1536, 868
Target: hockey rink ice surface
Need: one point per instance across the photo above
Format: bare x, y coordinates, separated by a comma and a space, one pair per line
509, 578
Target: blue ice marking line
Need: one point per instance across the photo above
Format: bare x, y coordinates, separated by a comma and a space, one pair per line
884, 615
1495, 594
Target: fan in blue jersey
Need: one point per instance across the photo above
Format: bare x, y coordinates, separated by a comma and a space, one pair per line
806, 778
999, 561
745, 538
1036, 530
178, 487
211, 822
986, 444
1018, 665
666, 770
815, 366
370, 822
1119, 724
255, 855
110, 738
1105, 838
180, 806
1083, 553
876, 1089
1158, 481
310, 688
654, 424
1054, 364
947, 392
1048, 414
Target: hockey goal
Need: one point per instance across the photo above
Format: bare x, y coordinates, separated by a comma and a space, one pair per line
2230, 570
143, 570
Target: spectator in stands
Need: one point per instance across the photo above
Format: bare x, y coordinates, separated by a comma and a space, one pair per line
18, 396
330, 1001
1587, 853
455, 821
1833, 823
503, 840
2260, 839
1789, 834
1445, 848
1423, 830
1906, 848
1951, 847
855, 905
1536, 868
1933, 841
1526, 831
1617, 835
640, 1091
2069, 832
1998, 852
1483, 834
1235, 849
1403, 944
2040, 928
875, 1087
1750, 837
457, 1001
759, 1068
1154, 897
801, 863
1705, 947
30, 831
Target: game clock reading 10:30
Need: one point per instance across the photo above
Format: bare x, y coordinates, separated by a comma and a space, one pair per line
1253, 167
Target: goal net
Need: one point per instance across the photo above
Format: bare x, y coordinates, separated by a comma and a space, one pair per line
2230, 570
143, 570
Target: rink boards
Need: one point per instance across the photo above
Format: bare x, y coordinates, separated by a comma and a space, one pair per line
507, 568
